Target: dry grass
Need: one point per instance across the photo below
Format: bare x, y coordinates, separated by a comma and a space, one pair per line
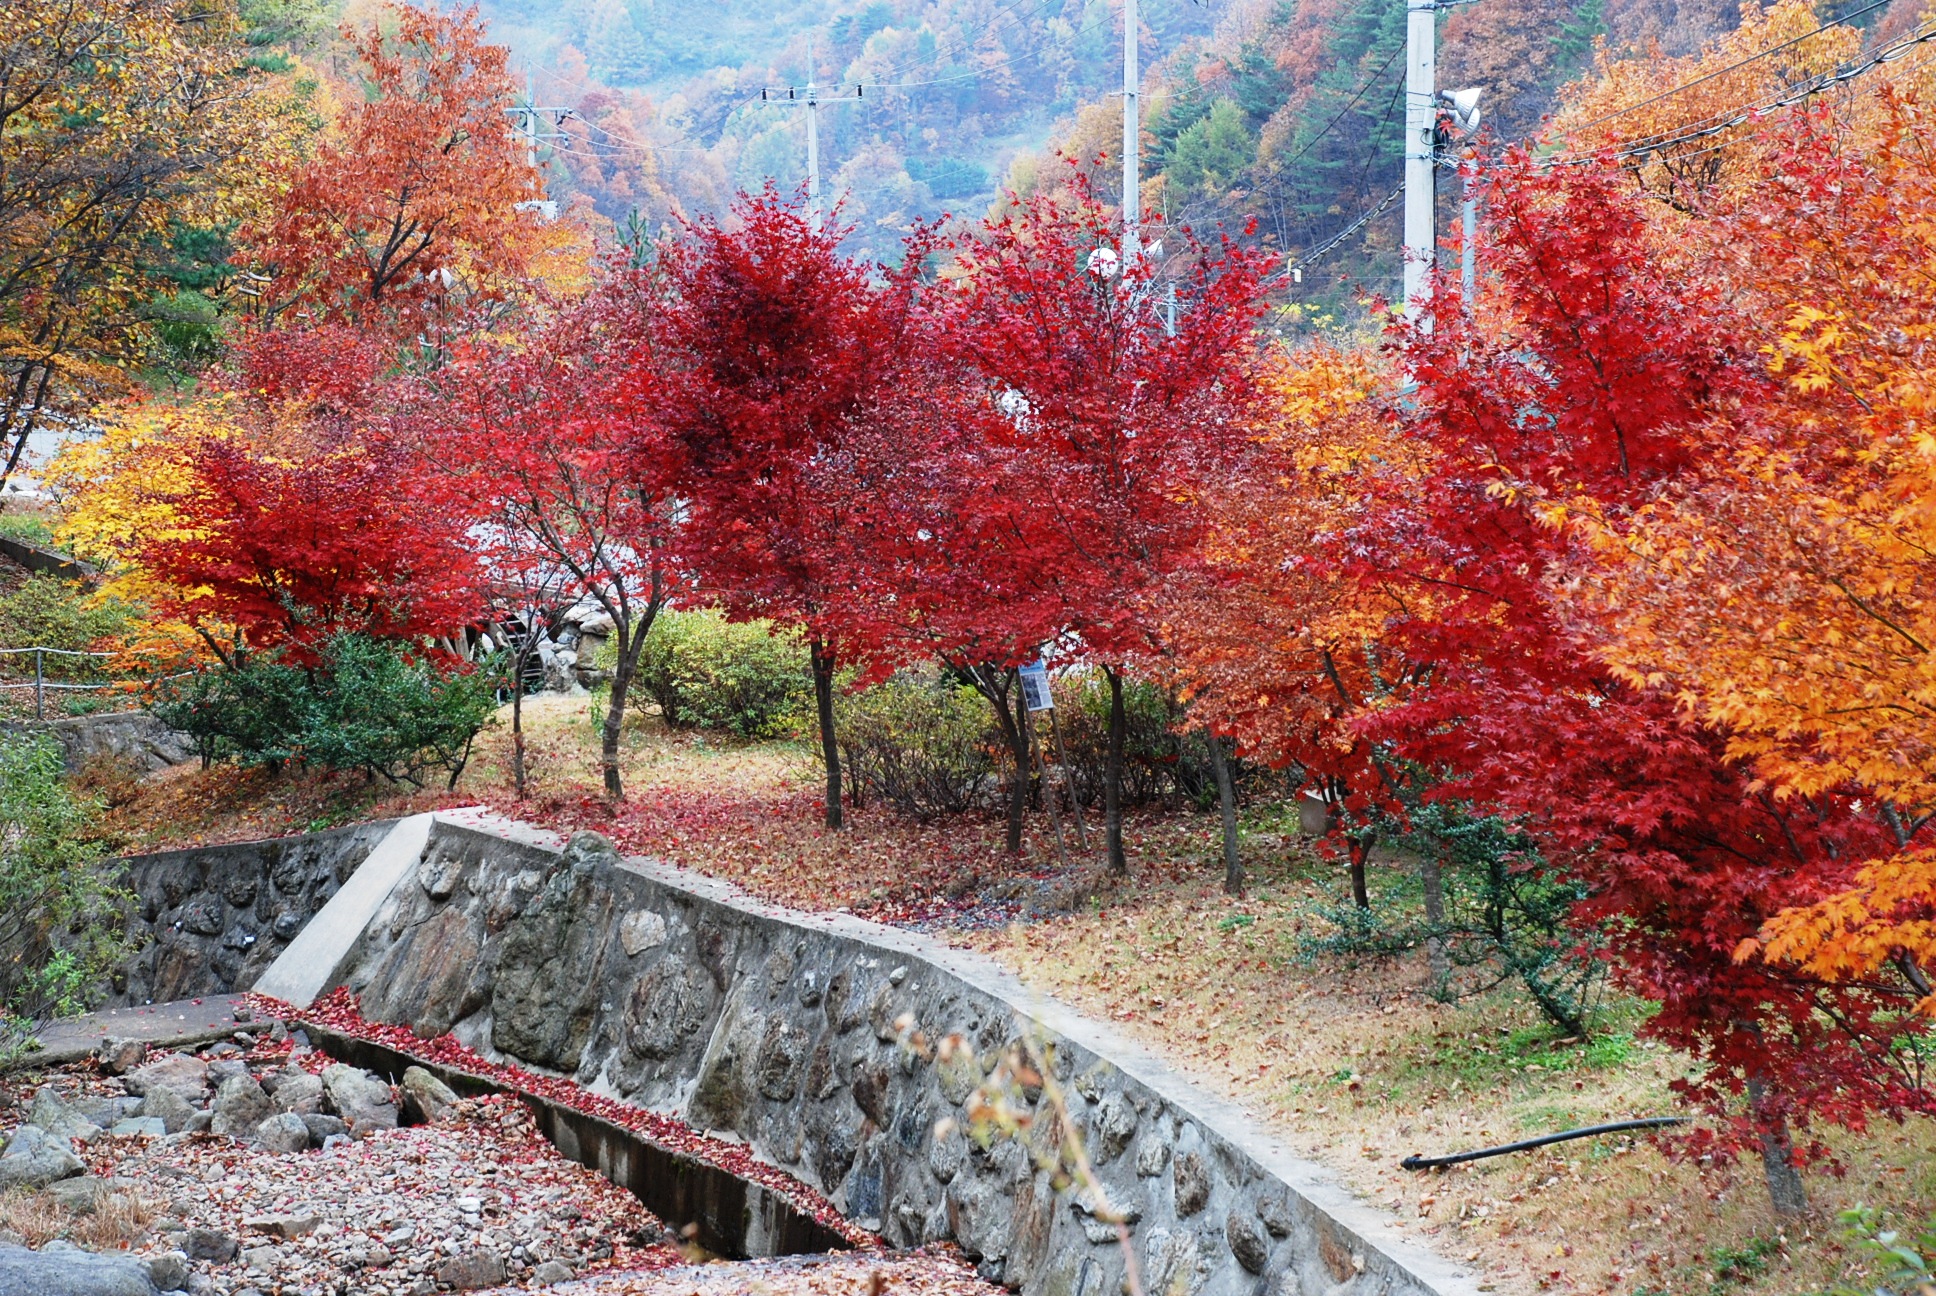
1358, 1068
1354, 1065
119, 1221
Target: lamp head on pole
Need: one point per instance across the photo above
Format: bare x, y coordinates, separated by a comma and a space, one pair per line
1463, 106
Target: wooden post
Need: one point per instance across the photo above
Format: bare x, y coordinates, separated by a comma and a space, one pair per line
1048, 793
1068, 779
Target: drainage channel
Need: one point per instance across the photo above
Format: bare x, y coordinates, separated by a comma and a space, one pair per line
723, 1213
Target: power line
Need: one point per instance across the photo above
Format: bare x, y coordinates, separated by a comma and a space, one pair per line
1733, 67
1296, 269
1690, 132
1349, 105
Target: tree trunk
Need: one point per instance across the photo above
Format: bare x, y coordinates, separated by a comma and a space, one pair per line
629, 647
1112, 790
997, 685
1024, 749
1777, 1152
1432, 877
517, 722
1233, 866
823, 700
1360, 890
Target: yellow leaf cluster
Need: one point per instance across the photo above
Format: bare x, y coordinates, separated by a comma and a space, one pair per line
120, 487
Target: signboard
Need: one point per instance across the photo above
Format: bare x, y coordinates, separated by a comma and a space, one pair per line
1035, 687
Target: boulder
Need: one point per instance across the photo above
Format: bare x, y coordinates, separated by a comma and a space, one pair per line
426, 1099
285, 1134
168, 1271
81, 1195
119, 1056
187, 1076
239, 1106
208, 1244
139, 1127
550, 1272
364, 1102
71, 1272
34, 1158
168, 1106
1247, 1242
470, 1270
323, 1128
301, 1094
285, 1226
222, 1067
1192, 1177
57, 1118
641, 930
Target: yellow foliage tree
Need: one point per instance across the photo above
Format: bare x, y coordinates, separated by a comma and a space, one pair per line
1653, 101
119, 490
120, 122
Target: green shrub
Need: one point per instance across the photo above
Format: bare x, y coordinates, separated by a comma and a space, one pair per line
1508, 914
921, 743
1158, 763
1900, 1263
707, 672
62, 925
47, 612
367, 705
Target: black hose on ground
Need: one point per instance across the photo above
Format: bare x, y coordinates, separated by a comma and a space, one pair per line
1416, 1162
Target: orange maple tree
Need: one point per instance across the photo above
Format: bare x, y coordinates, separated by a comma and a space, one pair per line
421, 195
1787, 589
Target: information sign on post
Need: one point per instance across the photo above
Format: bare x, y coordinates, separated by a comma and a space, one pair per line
1035, 687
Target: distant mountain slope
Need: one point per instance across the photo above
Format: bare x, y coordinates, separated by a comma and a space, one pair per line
1282, 112
670, 118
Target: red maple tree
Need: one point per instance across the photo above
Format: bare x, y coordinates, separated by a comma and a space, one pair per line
290, 543
562, 476
1582, 383
1103, 398
777, 360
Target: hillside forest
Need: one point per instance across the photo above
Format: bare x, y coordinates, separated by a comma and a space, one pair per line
1282, 112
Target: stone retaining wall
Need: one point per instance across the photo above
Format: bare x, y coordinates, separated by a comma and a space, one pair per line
135, 738
792, 1032
210, 919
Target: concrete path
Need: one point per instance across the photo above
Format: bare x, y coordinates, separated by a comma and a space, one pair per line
167, 1025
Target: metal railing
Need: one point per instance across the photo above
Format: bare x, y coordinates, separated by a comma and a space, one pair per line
41, 683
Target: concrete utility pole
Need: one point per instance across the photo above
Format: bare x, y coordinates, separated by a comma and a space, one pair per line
1132, 140
1421, 148
526, 117
813, 145
809, 97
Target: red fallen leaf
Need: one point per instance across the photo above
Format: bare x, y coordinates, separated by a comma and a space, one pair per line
338, 1011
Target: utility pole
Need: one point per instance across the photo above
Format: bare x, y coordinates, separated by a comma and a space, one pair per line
1132, 140
1468, 239
813, 144
525, 118
1421, 148
809, 97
